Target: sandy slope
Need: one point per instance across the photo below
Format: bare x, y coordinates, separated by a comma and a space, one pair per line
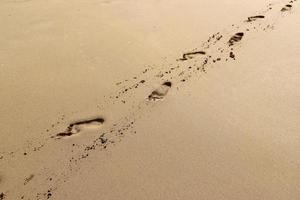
226, 128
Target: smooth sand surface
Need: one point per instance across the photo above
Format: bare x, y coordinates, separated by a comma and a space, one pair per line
149, 99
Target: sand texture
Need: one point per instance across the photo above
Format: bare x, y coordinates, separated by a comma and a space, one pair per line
149, 100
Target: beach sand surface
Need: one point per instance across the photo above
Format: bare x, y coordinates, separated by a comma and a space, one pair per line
149, 100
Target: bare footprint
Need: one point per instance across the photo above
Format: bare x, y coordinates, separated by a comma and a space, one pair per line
253, 18
287, 7
2, 196
236, 38
76, 127
190, 55
160, 92
28, 179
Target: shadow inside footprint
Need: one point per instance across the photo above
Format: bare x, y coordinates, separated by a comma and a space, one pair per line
287, 7
76, 127
160, 92
236, 38
253, 18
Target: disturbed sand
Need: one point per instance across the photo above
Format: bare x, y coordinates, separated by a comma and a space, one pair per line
149, 100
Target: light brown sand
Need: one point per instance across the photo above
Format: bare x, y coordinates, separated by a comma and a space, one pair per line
228, 129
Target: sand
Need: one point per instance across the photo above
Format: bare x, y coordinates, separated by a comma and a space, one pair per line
149, 100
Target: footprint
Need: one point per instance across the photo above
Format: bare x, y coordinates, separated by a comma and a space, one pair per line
76, 127
190, 55
28, 179
231, 55
160, 92
2, 196
253, 18
287, 7
236, 38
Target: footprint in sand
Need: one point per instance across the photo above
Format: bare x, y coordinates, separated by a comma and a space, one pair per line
28, 179
253, 18
2, 196
236, 38
160, 92
190, 55
287, 7
76, 127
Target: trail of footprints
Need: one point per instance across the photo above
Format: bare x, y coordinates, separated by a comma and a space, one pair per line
219, 47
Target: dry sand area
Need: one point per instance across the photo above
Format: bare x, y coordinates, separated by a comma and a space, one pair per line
149, 100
